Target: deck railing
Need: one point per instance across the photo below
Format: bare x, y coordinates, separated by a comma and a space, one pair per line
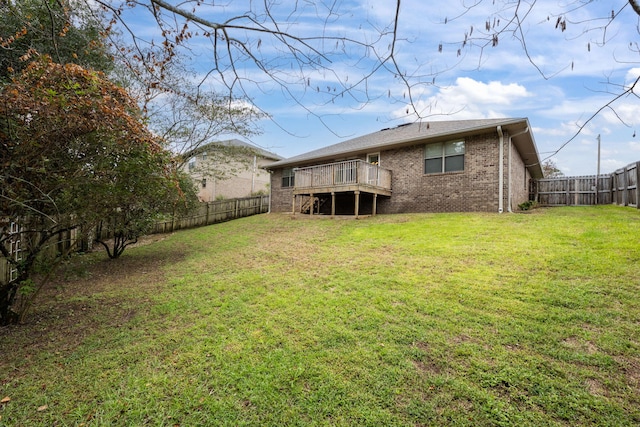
350, 172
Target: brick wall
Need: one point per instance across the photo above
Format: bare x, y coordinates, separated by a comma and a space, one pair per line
473, 190
519, 180
281, 198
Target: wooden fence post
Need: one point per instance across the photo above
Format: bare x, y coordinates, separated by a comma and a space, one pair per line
625, 187
637, 185
616, 185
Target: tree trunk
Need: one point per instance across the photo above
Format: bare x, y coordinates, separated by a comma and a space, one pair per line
7, 297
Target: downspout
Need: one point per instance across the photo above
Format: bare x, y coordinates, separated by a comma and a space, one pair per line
253, 174
501, 171
270, 189
509, 178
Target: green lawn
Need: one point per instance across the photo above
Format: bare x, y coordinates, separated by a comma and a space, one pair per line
408, 320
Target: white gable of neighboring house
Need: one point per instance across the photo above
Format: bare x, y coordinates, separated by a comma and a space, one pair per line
225, 177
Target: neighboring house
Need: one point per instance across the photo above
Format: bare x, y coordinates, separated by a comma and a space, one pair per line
440, 166
229, 169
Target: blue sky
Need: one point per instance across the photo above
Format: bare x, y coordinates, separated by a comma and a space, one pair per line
567, 85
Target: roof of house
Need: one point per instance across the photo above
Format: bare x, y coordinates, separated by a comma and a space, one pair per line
235, 143
421, 132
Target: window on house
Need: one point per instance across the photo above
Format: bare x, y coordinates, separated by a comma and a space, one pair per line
288, 177
444, 157
204, 182
192, 164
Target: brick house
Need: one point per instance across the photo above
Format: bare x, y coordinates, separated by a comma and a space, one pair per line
229, 169
442, 166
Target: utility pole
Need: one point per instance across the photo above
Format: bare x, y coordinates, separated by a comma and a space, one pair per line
598, 172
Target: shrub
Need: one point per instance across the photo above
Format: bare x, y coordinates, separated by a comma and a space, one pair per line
528, 205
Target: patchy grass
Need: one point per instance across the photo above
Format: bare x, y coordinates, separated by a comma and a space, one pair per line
448, 319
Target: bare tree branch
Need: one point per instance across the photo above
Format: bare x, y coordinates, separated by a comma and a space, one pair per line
630, 90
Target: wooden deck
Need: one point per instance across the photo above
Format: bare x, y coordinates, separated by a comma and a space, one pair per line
351, 176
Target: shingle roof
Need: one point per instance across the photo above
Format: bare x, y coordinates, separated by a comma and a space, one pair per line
259, 151
413, 133
235, 143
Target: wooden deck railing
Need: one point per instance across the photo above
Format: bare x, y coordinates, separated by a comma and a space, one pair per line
347, 173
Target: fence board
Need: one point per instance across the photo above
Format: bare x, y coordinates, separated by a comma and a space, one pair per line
205, 214
620, 188
215, 212
568, 191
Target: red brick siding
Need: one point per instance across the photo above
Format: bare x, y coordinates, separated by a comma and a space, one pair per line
519, 180
474, 189
281, 198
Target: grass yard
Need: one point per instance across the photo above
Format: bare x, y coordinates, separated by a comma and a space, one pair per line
407, 320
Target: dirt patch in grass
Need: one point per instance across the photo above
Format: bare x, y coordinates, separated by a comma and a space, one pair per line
87, 293
595, 387
585, 347
427, 364
631, 369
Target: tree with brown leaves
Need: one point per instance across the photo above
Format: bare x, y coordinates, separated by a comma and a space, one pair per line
73, 151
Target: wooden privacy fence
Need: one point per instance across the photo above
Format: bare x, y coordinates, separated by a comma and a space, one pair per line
59, 244
205, 214
620, 188
214, 212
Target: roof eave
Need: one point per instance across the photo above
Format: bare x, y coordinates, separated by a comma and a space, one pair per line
526, 146
509, 124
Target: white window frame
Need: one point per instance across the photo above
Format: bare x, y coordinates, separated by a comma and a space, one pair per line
369, 155
289, 176
443, 156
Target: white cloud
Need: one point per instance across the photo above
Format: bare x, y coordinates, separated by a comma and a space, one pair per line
469, 98
482, 82
561, 130
634, 146
610, 165
626, 113
632, 75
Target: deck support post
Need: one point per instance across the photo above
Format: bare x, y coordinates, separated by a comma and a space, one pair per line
293, 206
311, 204
375, 203
333, 203
357, 207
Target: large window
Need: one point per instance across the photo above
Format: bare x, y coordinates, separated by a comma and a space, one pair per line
288, 177
444, 157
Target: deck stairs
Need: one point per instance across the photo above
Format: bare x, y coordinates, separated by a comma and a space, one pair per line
316, 202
